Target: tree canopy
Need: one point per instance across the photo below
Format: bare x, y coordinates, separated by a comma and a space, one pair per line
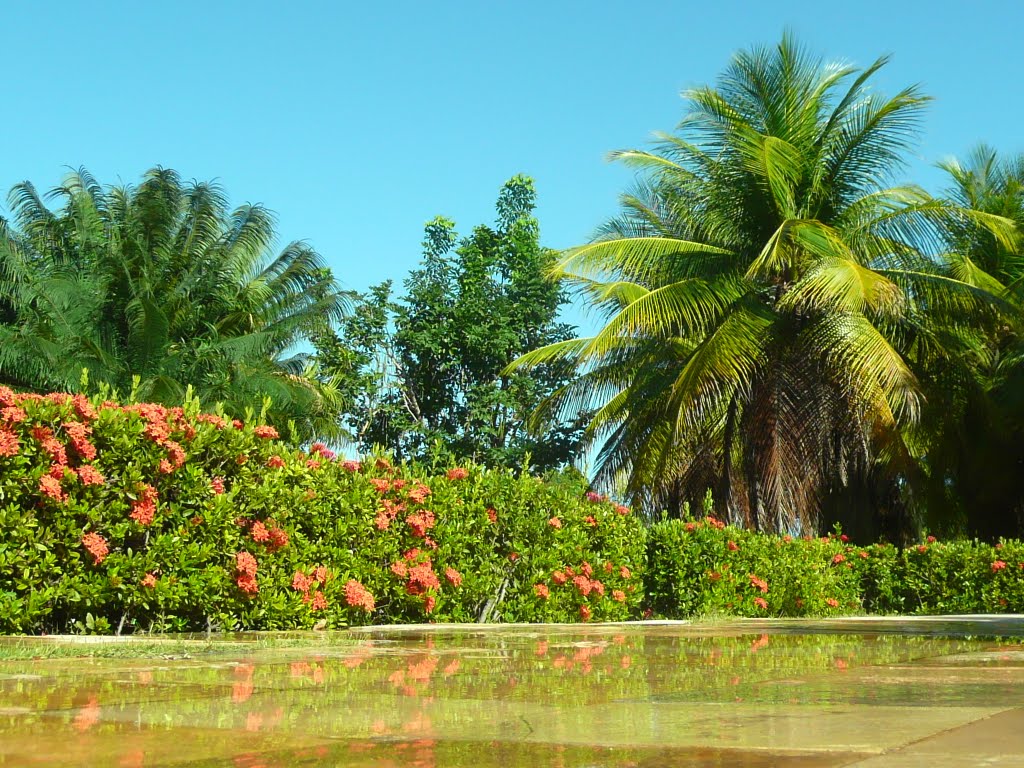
158, 288
425, 371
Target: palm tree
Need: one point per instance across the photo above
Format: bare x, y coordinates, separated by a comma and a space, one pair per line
975, 416
161, 283
762, 291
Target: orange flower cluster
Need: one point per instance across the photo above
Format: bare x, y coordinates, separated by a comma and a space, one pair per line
9, 445
457, 473
273, 537
148, 581
266, 432
322, 450
454, 577
420, 523
358, 596
50, 486
542, 591
758, 583
96, 546
351, 465
89, 475
275, 462
79, 433
245, 568
554, 522
419, 493
144, 507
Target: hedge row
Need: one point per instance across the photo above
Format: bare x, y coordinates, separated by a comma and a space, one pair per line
705, 568
139, 518
142, 518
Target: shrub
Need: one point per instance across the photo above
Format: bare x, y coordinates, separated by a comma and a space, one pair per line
138, 517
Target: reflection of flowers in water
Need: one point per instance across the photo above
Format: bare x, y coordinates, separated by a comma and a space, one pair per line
243, 688
88, 715
134, 759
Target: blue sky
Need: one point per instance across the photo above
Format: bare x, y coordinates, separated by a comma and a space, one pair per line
358, 124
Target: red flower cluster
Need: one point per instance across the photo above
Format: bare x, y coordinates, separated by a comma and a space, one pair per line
454, 577
458, 473
275, 462
758, 583
832, 602
997, 566
13, 414
358, 596
351, 465
419, 493
211, 418
542, 591
618, 595
380, 484
144, 507
9, 445
761, 603
96, 546
89, 475
50, 445
50, 486
593, 497
322, 450
492, 515
148, 581
259, 532
245, 568
420, 523
839, 557
79, 433
217, 485
266, 432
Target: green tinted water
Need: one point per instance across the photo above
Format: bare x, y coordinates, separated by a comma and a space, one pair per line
743, 694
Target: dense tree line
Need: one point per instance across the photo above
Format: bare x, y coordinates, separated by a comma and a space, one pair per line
786, 326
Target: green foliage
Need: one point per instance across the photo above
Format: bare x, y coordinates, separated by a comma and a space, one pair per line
424, 372
138, 517
158, 288
705, 568
769, 301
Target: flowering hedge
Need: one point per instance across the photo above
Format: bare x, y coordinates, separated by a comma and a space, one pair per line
139, 517
706, 568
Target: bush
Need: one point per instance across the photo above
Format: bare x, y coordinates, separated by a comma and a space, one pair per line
125, 518
705, 568
139, 517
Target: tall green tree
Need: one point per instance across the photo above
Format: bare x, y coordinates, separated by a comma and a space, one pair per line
163, 283
973, 423
768, 293
425, 371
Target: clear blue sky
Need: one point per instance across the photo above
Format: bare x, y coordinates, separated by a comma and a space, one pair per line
358, 124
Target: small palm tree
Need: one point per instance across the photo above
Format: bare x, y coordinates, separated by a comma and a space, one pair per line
162, 283
761, 290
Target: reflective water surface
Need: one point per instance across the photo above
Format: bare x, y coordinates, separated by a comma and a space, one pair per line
907, 693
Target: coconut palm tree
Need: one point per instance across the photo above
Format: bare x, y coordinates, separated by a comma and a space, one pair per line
158, 288
762, 290
974, 422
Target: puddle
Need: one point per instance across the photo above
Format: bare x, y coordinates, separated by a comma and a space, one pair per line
739, 693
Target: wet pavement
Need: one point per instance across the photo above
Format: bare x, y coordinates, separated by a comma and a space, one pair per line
868, 693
